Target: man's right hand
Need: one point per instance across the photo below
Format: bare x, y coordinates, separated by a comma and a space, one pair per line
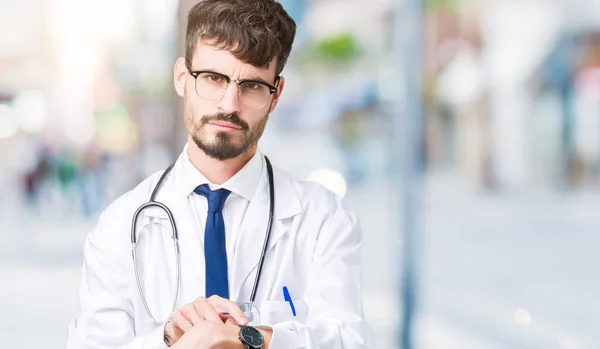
202, 309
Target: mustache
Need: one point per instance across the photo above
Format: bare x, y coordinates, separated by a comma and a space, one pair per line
232, 118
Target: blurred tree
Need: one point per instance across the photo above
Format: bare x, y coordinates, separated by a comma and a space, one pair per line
337, 48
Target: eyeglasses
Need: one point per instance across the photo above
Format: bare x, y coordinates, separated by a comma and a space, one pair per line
251, 93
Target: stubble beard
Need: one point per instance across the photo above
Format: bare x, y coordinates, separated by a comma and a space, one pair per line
224, 145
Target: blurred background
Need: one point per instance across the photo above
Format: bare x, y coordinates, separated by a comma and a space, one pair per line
506, 213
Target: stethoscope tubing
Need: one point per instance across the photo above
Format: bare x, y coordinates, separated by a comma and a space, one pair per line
175, 236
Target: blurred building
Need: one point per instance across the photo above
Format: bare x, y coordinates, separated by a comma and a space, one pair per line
489, 70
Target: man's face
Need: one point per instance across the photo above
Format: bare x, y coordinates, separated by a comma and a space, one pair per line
223, 127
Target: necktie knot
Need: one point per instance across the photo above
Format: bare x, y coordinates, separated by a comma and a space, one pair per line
216, 199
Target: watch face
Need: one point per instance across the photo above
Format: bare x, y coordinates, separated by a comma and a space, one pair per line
251, 336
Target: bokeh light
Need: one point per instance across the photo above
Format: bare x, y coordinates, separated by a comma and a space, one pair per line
522, 317
330, 179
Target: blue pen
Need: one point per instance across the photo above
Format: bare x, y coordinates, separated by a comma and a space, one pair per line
288, 298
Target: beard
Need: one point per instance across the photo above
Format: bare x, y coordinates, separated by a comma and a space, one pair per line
224, 145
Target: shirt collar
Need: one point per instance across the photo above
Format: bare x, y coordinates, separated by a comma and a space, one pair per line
243, 183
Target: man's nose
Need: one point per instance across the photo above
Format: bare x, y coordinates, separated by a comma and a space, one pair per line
230, 102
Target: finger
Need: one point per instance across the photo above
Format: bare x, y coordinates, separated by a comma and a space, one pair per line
178, 320
192, 314
227, 319
206, 309
225, 305
171, 333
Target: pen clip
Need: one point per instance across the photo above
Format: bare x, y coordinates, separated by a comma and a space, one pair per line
288, 298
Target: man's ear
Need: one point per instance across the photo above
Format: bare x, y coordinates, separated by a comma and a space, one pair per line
277, 94
180, 75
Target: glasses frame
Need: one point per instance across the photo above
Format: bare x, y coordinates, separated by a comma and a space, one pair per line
196, 73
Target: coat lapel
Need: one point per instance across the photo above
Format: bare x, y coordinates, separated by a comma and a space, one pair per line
254, 229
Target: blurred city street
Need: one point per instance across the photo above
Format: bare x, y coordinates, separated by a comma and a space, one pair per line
495, 104
481, 264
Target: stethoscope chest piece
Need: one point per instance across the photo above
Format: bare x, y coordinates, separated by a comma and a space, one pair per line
251, 312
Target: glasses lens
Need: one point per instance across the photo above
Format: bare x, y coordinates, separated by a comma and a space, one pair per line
210, 86
254, 94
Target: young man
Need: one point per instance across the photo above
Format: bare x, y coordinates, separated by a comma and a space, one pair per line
218, 193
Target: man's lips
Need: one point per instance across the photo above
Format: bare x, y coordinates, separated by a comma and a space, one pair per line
225, 124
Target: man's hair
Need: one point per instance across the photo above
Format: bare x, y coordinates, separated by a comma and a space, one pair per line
254, 31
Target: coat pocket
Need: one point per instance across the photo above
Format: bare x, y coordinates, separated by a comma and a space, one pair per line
274, 312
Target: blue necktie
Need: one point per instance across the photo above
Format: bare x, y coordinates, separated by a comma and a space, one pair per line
215, 253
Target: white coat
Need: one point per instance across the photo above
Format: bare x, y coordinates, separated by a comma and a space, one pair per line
314, 250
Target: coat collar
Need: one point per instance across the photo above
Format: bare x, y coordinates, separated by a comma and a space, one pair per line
287, 202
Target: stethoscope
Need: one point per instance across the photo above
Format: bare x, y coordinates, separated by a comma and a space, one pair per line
248, 308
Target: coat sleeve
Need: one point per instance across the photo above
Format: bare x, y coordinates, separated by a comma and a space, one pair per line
334, 292
105, 311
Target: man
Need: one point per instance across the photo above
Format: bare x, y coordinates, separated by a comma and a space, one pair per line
309, 290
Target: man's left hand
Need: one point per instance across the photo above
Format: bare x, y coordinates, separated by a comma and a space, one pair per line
210, 335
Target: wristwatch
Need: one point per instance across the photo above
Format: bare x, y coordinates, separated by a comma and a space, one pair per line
251, 338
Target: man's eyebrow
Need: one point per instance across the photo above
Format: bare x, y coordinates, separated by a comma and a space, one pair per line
257, 78
212, 71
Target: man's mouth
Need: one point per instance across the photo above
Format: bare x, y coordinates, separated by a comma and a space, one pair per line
225, 125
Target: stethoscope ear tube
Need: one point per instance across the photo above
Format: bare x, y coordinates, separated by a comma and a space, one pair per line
150, 203
160, 182
268, 236
160, 205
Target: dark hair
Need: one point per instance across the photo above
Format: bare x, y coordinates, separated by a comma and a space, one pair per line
254, 31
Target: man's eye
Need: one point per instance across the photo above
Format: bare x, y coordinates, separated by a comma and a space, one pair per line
252, 86
214, 78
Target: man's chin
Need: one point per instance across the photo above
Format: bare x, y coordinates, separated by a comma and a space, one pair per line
221, 154
218, 150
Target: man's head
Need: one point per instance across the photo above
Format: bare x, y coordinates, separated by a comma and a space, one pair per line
229, 78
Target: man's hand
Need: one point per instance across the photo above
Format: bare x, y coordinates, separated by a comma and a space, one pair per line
210, 335
199, 311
